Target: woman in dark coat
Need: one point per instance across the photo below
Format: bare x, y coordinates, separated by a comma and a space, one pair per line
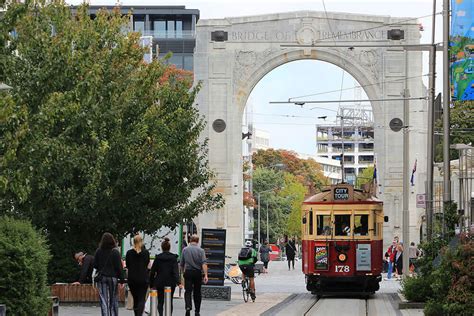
164, 272
108, 263
290, 249
265, 256
137, 260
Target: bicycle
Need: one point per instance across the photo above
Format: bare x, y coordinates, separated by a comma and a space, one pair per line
246, 290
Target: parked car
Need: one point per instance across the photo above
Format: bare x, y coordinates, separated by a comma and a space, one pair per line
275, 253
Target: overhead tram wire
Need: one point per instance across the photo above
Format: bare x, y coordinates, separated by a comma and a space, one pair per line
359, 86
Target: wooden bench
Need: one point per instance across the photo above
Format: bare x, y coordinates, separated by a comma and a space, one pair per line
81, 293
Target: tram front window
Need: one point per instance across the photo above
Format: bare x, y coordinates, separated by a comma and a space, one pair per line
361, 225
342, 225
324, 225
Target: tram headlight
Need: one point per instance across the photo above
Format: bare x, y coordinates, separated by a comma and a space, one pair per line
342, 257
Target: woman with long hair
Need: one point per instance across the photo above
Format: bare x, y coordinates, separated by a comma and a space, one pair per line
164, 272
108, 264
137, 260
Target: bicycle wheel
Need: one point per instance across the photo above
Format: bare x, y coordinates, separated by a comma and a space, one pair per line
245, 290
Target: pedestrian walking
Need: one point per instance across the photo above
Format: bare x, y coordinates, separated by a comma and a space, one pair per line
194, 264
265, 256
413, 253
390, 255
164, 272
290, 249
399, 260
86, 263
108, 264
137, 260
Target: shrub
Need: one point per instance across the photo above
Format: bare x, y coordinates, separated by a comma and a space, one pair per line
417, 289
434, 308
24, 260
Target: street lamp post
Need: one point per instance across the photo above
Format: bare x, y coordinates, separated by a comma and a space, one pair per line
267, 222
258, 222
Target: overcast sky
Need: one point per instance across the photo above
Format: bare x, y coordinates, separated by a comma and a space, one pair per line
292, 127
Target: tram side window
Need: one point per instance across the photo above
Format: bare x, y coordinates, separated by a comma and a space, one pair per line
361, 225
324, 225
342, 225
311, 222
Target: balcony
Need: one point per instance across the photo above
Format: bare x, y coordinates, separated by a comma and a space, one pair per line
339, 150
169, 34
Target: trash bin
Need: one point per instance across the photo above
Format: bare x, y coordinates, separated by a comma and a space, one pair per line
54, 306
3, 310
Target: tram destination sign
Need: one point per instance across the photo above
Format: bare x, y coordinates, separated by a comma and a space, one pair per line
341, 194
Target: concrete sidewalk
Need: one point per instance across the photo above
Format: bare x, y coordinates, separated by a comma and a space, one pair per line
272, 289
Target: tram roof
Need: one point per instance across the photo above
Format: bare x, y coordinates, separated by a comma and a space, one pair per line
327, 196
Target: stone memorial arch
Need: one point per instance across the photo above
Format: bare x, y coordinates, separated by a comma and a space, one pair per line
233, 54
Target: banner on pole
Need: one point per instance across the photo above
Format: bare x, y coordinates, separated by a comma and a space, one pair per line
462, 50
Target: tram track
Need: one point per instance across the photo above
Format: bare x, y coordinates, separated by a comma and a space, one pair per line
339, 306
310, 305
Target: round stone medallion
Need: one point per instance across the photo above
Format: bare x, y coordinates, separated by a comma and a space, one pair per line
219, 125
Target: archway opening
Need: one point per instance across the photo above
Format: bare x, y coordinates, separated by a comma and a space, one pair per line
309, 130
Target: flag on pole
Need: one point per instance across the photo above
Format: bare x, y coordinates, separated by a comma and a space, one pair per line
412, 180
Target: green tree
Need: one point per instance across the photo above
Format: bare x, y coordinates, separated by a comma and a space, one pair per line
297, 192
24, 258
461, 129
284, 195
92, 138
366, 176
307, 171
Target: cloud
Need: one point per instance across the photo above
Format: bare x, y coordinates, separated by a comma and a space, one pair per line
461, 13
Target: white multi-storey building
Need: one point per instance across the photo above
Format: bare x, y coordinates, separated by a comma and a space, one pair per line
354, 129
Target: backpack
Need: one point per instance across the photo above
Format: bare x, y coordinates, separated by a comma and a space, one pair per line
245, 253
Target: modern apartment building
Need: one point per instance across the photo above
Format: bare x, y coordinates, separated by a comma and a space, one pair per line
172, 29
356, 133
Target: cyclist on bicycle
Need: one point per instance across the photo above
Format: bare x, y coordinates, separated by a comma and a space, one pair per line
247, 259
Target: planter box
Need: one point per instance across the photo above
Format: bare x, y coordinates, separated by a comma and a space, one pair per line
81, 293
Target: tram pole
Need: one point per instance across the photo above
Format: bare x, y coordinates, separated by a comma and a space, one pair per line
406, 219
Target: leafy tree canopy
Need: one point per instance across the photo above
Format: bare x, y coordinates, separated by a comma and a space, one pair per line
93, 139
307, 171
366, 176
282, 197
461, 130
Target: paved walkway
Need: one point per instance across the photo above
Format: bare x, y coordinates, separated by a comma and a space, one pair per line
279, 285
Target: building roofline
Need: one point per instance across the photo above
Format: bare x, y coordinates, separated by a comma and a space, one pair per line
174, 9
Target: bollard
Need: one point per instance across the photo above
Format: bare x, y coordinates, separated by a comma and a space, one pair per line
153, 303
3, 310
168, 299
54, 306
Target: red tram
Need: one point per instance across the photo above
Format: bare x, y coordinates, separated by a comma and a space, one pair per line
342, 241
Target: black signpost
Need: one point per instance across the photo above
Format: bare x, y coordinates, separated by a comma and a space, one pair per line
213, 243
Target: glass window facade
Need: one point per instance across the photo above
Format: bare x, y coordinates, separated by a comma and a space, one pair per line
139, 26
